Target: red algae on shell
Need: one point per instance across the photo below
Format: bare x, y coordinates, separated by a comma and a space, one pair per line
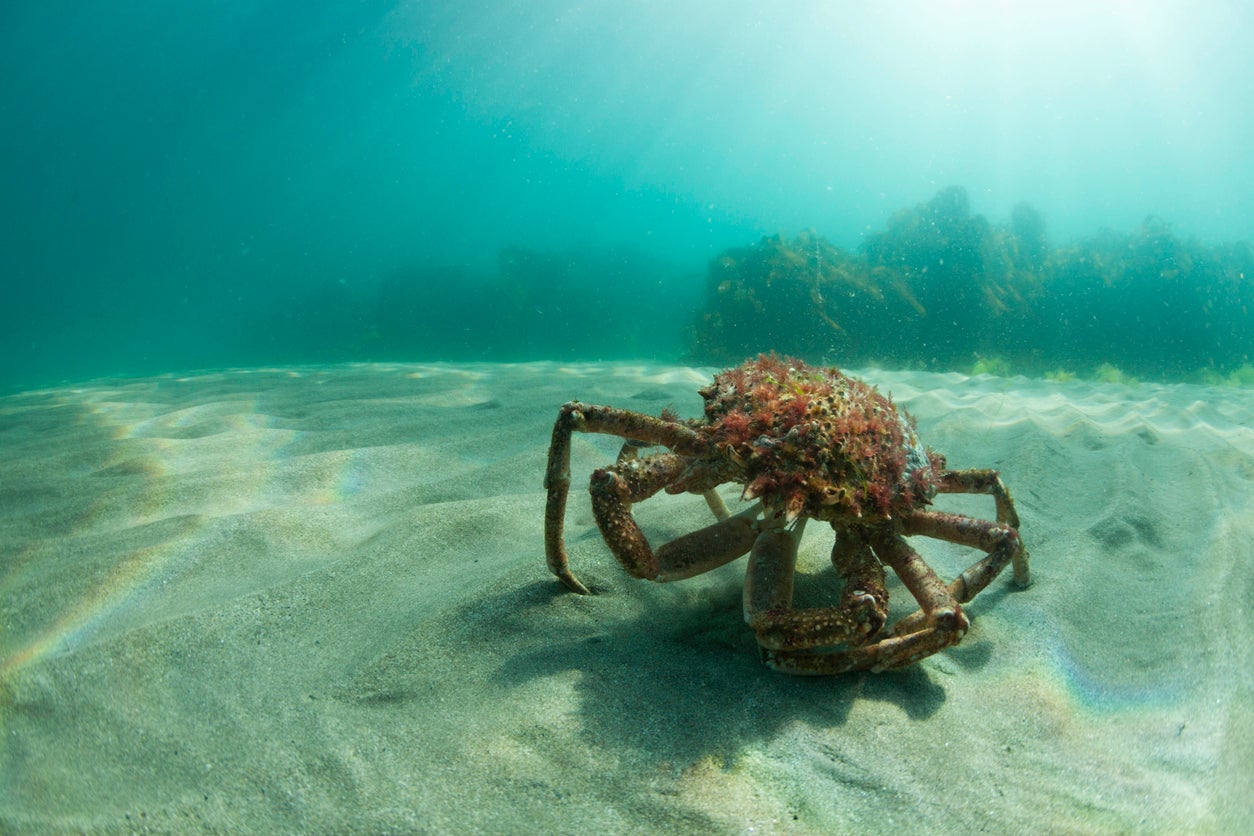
813, 441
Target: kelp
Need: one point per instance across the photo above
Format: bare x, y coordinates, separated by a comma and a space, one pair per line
943, 288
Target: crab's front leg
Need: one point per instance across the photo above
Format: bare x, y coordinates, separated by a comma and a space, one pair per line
782, 630
580, 417
614, 489
941, 624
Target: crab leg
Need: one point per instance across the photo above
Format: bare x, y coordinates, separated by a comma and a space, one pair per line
1000, 541
614, 489
768, 581
892, 652
864, 584
938, 604
942, 623
982, 481
580, 417
716, 503
768, 598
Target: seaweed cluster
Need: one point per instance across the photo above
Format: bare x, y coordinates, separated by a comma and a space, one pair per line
943, 288
815, 442
1151, 303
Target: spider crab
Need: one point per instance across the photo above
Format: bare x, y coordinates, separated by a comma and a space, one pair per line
806, 443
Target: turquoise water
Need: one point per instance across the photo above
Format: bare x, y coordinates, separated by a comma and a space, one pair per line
241, 183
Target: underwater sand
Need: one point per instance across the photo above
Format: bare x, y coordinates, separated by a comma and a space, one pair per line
316, 600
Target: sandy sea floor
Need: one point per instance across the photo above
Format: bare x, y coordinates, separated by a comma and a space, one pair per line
315, 600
